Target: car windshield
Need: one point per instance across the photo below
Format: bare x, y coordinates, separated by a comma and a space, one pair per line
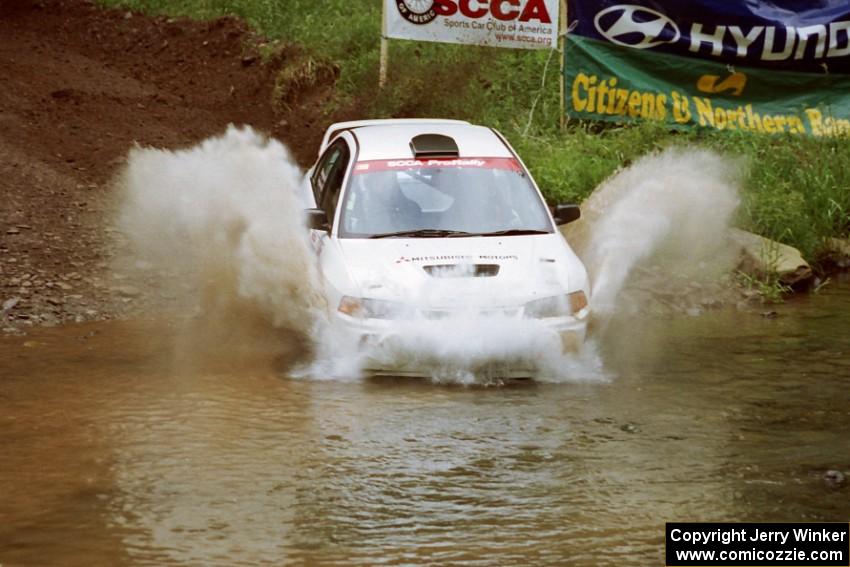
440, 197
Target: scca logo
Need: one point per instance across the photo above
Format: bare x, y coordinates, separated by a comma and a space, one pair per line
417, 11
422, 12
636, 26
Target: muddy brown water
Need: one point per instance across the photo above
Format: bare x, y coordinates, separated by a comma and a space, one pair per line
114, 450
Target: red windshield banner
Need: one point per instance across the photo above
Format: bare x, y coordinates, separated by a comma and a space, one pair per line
370, 166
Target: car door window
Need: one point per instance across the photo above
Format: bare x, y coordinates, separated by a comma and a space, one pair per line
334, 159
330, 173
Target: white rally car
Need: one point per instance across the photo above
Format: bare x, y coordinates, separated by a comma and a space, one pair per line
428, 220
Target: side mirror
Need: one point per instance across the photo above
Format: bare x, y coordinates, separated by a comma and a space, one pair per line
317, 219
565, 214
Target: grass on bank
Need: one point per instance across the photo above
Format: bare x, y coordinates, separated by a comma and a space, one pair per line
796, 191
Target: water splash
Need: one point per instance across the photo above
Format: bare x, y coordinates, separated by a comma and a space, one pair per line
222, 223
660, 225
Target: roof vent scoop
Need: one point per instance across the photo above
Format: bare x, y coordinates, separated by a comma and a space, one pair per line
426, 146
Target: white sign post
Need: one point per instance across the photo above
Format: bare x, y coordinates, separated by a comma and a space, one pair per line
385, 50
522, 24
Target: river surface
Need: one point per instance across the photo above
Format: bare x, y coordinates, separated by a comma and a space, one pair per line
118, 448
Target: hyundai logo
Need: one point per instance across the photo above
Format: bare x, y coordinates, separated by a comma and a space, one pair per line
636, 26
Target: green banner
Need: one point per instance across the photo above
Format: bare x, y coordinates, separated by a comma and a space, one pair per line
615, 83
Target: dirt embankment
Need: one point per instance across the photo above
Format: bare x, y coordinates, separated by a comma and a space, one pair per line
80, 85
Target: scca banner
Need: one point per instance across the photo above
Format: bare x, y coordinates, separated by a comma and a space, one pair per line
529, 24
737, 65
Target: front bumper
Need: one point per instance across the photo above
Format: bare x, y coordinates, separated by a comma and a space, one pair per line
392, 347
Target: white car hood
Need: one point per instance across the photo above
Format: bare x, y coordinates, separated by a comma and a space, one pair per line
460, 272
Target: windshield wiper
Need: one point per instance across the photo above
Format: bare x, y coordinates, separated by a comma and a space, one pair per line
514, 232
424, 233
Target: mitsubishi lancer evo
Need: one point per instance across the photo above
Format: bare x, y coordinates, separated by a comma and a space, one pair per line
434, 220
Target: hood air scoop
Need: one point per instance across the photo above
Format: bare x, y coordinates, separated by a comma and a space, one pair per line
462, 270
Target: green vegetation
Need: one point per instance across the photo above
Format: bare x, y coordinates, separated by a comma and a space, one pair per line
797, 190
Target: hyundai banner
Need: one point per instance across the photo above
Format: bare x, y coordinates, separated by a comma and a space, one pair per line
751, 65
529, 24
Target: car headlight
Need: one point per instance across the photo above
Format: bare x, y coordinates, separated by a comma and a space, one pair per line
363, 308
556, 306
